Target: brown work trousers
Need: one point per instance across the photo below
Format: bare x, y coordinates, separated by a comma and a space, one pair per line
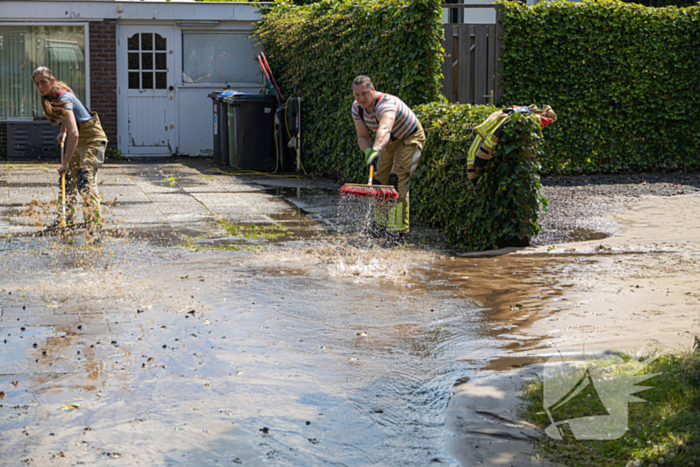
399, 157
82, 170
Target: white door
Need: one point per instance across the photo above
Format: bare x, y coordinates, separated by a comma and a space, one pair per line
147, 91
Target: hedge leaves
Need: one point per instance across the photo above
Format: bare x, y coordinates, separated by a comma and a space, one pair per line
622, 78
320, 48
505, 204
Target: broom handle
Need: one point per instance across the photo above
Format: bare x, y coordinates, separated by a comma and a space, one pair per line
63, 188
371, 175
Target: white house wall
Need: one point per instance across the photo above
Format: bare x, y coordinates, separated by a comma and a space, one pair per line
194, 120
174, 10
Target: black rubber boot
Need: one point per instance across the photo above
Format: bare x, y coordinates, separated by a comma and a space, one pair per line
375, 230
393, 239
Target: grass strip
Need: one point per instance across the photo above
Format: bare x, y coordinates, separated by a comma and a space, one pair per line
665, 430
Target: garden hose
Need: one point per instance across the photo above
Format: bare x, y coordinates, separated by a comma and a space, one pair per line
286, 125
277, 151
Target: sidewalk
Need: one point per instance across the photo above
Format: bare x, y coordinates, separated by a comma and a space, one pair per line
170, 196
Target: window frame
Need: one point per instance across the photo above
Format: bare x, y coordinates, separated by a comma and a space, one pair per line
86, 29
199, 30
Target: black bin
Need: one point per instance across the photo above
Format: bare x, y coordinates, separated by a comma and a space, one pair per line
251, 119
216, 116
220, 119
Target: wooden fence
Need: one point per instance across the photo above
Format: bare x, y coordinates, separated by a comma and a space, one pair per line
470, 68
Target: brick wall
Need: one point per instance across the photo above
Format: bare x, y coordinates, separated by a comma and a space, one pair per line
103, 75
3, 141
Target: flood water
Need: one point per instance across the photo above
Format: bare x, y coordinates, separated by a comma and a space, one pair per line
316, 349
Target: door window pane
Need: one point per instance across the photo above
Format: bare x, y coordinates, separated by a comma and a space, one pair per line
133, 43
147, 80
161, 80
161, 61
147, 61
22, 49
219, 58
134, 82
133, 61
161, 43
147, 41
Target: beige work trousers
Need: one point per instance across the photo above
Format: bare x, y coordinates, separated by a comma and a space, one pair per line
82, 169
399, 157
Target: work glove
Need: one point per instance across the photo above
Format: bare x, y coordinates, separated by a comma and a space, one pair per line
371, 157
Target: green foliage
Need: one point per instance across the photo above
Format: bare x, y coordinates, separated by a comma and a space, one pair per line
319, 49
662, 431
663, 3
505, 204
622, 78
114, 154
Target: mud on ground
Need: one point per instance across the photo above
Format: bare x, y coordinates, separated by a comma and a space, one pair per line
303, 347
632, 245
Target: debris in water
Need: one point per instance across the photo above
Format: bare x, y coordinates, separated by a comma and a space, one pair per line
265, 430
462, 380
361, 334
70, 408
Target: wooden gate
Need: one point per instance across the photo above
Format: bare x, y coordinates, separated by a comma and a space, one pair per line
471, 62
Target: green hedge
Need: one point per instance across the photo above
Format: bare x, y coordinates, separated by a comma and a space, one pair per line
622, 78
505, 204
321, 48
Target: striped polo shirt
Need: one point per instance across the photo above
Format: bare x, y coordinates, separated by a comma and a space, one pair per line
405, 122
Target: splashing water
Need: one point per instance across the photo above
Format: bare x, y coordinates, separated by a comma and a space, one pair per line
354, 252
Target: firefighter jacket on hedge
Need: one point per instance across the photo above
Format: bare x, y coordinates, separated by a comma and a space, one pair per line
488, 134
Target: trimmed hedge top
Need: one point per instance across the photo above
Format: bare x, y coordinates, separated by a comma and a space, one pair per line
623, 79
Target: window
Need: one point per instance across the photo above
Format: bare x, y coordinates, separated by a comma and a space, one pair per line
22, 49
219, 58
148, 61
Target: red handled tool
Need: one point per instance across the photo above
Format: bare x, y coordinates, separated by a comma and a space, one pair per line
358, 190
269, 71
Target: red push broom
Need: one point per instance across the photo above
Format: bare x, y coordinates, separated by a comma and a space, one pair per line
358, 190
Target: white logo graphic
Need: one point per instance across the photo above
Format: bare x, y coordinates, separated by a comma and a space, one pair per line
597, 389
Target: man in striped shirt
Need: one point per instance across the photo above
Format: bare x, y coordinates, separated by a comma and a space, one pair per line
398, 141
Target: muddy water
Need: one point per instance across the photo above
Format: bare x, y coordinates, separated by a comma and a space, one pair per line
314, 351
